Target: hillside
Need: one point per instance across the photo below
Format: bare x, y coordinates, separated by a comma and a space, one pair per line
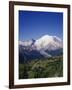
41, 68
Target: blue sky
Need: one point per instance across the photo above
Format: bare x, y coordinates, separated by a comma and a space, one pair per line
34, 24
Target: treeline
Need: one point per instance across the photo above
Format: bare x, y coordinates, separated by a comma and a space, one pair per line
41, 68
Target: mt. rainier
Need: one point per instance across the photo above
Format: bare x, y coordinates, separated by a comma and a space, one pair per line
46, 46
48, 43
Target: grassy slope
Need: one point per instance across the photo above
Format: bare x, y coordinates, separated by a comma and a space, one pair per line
42, 68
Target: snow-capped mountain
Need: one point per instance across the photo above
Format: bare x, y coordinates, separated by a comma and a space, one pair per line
46, 46
46, 42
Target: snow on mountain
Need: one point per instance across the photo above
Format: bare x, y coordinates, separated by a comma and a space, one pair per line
27, 42
44, 53
48, 42
46, 46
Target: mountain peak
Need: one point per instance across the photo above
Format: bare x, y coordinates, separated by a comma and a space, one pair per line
46, 36
46, 46
50, 37
48, 42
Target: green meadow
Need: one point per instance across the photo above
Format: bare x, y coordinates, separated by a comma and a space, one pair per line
42, 68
